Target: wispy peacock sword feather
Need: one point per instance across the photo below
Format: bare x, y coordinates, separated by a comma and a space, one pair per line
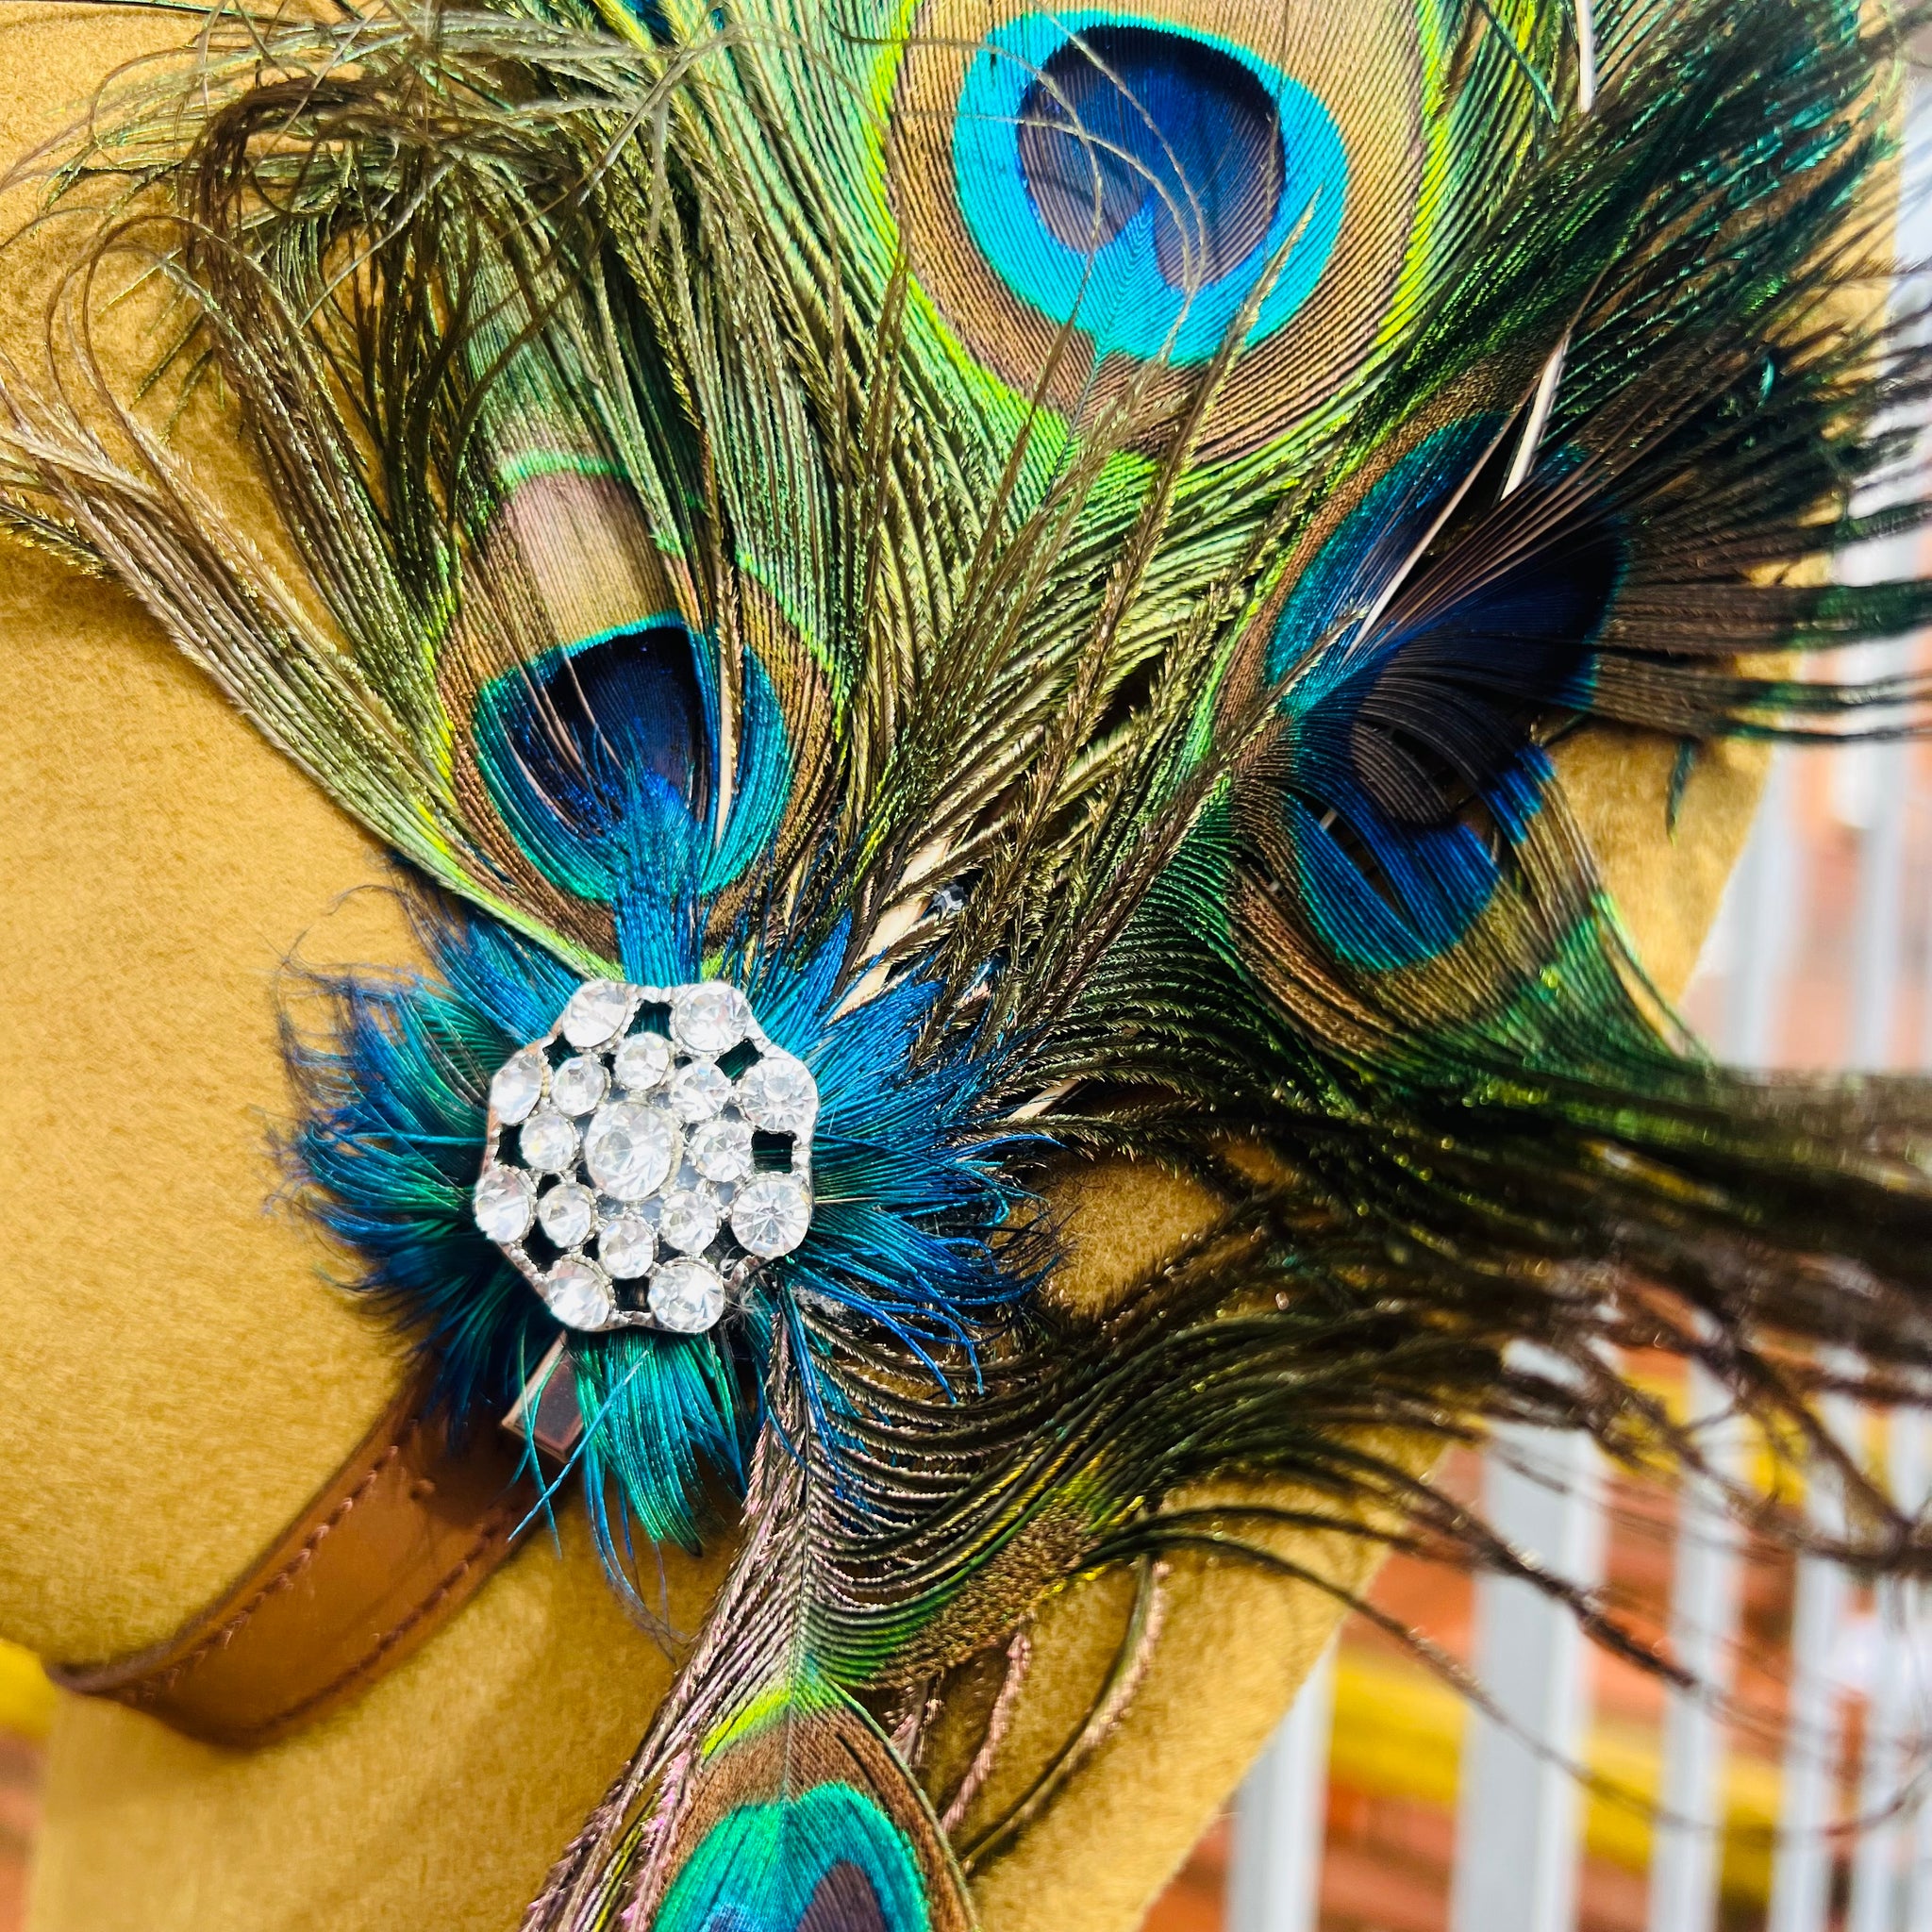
985, 529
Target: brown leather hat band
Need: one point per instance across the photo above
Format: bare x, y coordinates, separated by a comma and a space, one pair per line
399, 1539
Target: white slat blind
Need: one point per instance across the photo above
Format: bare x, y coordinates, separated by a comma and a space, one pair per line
1705, 1587
1517, 1825
1275, 1869
1801, 1870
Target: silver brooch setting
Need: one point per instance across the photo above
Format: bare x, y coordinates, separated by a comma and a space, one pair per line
646, 1155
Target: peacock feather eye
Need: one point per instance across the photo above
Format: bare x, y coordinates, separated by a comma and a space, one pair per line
1135, 125
1139, 177
1410, 719
692, 1168
568, 740
1138, 181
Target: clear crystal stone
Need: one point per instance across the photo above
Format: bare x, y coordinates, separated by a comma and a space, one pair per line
688, 1221
631, 1149
643, 1061
548, 1141
699, 1088
711, 1017
596, 1010
568, 1211
778, 1094
627, 1247
502, 1203
721, 1150
517, 1086
578, 1083
687, 1296
771, 1214
578, 1293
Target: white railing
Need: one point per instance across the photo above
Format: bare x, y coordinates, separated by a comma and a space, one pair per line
1520, 1802
1519, 1850
1706, 1591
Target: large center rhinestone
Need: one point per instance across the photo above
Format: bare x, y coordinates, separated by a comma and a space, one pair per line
631, 1150
648, 1155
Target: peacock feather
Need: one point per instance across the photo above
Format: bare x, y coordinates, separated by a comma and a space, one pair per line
1029, 563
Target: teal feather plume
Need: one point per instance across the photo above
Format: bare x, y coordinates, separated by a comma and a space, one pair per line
1028, 543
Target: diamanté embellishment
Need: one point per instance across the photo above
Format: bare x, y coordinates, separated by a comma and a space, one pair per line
628, 1178
578, 1294
711, 1017
597, 1011
779, 1095
567, 1214
631, 1149
549, 1142
687, 1297
700, 1089
627, 1247
517, 1087
689, 1220
504, 1203
721, 1149
642, 1061
771, 1215
579, 1084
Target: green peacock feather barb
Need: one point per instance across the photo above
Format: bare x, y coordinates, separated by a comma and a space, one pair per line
927, 591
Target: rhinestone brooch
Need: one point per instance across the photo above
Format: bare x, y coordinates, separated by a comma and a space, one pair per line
648, 1155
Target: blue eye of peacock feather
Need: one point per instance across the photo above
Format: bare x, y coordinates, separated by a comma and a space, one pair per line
1446, 714
582, 729
590, 723
1138, 180
1403, 741
599, 757
831, 1858
844, 1901
1127, 119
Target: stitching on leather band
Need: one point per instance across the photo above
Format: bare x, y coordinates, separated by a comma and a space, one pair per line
406, 1573
225, 1633
367, 1665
